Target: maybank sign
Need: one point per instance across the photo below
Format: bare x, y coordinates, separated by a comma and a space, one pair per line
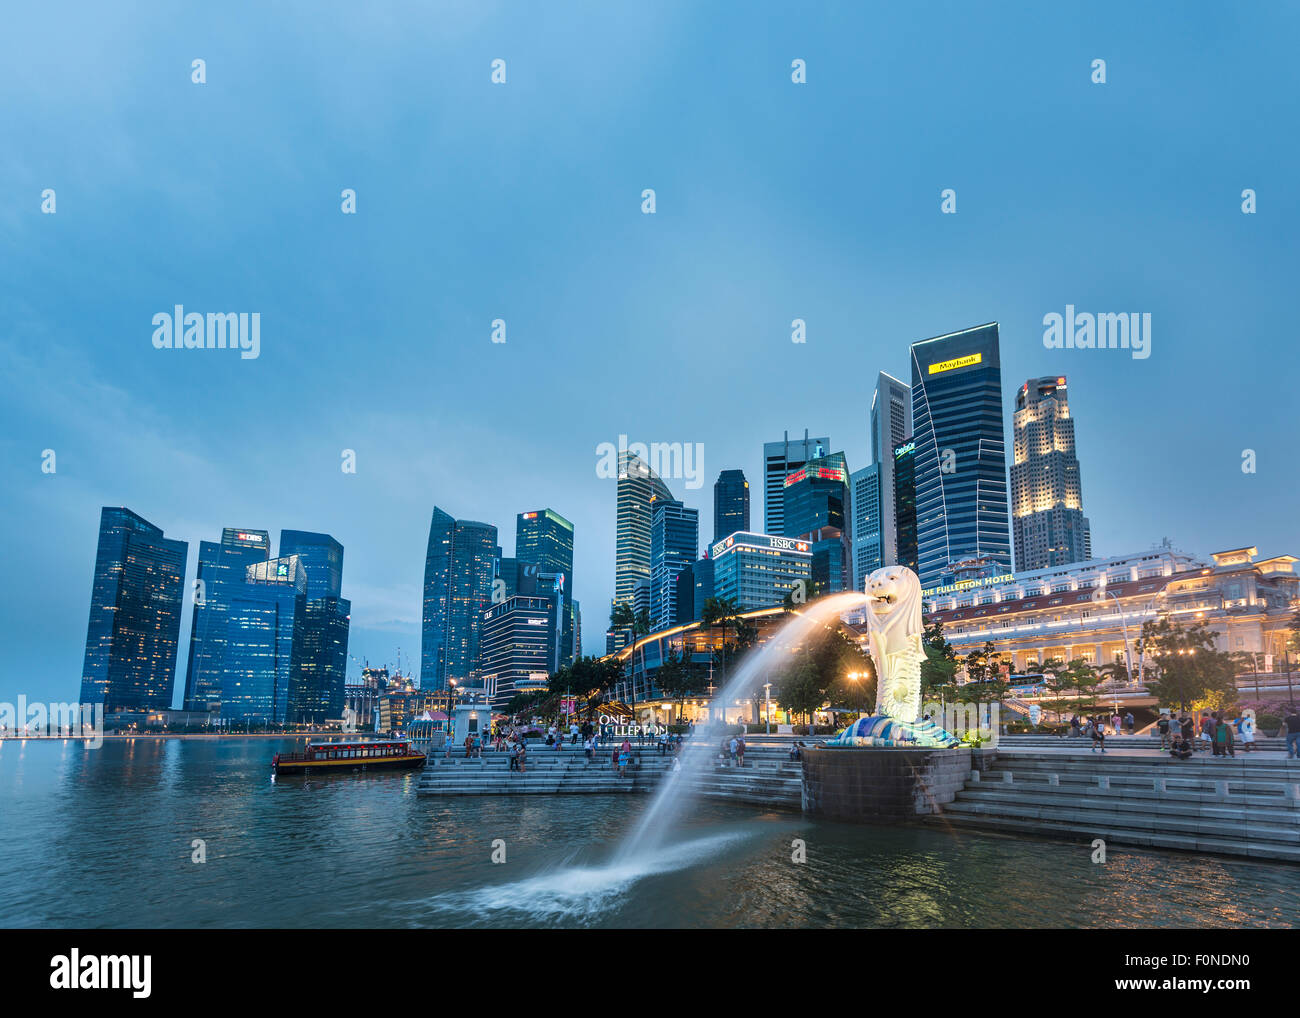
956, 362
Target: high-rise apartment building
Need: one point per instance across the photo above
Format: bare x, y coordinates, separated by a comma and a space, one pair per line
1046, 494
135, 615
961, 468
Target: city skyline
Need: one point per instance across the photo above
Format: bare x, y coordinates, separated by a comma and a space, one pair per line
541, 226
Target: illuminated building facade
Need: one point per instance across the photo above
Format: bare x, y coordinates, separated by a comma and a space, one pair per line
868, 547
905, 503
317, 693
730, 504
674, 543
638, 488
222, 568
265, 630
459, 565
135, 615
961, 469
517, 645
779, 460
544, 538
1082, 610
1046, 495
760, 570
817, 512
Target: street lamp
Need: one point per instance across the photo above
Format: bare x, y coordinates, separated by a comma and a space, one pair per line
767, 712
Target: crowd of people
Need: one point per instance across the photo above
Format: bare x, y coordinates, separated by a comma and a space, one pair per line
1218, 733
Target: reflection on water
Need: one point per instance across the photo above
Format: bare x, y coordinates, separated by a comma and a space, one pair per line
105, 838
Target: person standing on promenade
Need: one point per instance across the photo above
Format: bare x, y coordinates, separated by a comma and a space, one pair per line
624, 757
1247, 731
589, 747
740, 751
1098, 733
1188, 728
1220, 734
1163, 726
1292, 725
1208, 730
1076, 728
1130, 722
1115, 724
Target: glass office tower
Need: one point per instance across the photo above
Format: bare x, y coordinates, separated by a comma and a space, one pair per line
135, 615
868, 538
222, 570
458, 570
318, 694
905, 503
321, 557
674, 543
779, 460
544, 538
961, 467
817, 512
730, 504
265, 628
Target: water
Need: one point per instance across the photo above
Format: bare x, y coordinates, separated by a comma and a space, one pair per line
671, 799
103, 837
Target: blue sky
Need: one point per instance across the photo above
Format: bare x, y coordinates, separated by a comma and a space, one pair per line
522, 201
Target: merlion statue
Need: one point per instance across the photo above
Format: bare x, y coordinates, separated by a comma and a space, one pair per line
894, 630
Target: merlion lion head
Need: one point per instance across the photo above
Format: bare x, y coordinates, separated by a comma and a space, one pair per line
894, 595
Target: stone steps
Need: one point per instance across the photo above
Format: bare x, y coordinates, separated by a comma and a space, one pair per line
1204, 805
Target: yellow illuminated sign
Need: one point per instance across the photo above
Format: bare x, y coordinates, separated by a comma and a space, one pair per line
956, 362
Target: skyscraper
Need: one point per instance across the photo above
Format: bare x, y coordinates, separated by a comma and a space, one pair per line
868, 545
905, 503
135, 615
891, 425
321, 557
1046, 493
265, 630
638, 488
544, 538
817, 512
779, 460
318, 691
222, 571
458, 570
730, 504
517, 643
674, 543
760, 570
961, 469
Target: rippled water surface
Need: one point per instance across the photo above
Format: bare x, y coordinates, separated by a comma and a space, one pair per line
105, 838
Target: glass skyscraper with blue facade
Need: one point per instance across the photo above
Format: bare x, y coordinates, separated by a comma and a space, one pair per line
265, 630
135, 615
961, 467
459, 564
817, 512
544, 538
317, 693
868, 541
222, 570
674, 543
730, 504
905, 503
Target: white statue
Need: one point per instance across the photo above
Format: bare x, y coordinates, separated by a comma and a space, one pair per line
894, 638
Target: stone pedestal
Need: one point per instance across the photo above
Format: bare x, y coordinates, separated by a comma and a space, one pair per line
881, 785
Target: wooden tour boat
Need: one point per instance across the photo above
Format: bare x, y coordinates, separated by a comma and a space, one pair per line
333, 757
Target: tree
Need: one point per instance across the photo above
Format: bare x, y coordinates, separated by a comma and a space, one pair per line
679, 677
719, 612
940, 662
800, 688
1188, 665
